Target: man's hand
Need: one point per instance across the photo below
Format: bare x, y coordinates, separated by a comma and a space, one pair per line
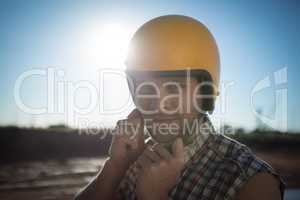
126, 146
128, 141
159, 170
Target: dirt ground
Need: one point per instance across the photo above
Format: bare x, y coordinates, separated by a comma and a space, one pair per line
64, 187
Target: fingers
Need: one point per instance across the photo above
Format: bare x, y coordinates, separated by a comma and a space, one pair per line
135, 113
162, 152
177, 148
144, 162
152, 155
128, 128
121, 129
148, 158
137, 123
125, 132
157, 154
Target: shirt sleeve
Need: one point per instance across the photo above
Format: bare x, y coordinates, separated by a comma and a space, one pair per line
126, 188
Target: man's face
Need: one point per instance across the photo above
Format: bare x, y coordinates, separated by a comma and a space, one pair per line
166, 103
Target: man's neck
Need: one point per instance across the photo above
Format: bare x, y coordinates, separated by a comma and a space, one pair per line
190, 131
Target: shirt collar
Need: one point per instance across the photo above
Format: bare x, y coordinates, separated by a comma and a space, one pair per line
199, 138
204, 129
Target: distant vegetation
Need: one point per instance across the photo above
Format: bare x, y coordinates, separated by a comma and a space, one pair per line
267, 139
61, 142
55, 142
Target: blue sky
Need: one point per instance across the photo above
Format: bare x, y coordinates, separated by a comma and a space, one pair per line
255, 39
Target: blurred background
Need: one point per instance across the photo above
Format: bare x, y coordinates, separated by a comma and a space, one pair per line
63, 86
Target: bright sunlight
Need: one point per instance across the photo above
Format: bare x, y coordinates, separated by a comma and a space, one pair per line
106, 46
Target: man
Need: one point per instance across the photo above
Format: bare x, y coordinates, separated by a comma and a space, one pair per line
173, 75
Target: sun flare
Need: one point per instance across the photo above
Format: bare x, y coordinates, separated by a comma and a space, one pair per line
106, 46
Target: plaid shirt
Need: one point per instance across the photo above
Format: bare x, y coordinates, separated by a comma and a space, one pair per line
216, 168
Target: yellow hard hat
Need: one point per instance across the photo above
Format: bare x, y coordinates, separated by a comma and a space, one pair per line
174, 43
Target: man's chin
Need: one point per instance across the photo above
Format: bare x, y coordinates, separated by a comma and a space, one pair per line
163, 138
